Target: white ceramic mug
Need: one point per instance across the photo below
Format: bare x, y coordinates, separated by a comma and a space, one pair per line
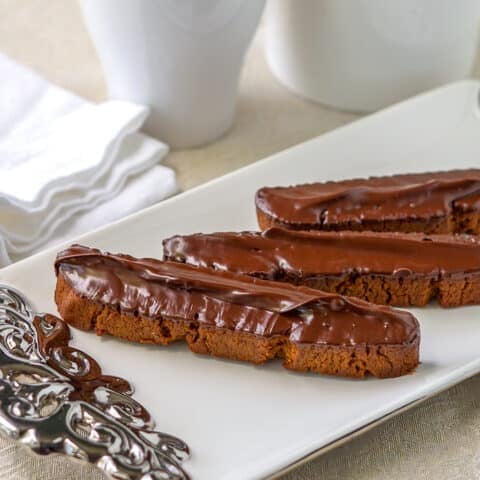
181, 57
362, 55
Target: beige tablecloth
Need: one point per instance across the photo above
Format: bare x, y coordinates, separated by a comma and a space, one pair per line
438, 440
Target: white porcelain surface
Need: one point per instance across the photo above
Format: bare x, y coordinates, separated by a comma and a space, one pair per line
181, 57
244, 422
363, 55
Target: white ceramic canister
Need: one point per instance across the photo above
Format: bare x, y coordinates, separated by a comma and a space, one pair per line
181, 57
362, 55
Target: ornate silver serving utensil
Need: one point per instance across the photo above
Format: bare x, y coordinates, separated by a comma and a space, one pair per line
55, 399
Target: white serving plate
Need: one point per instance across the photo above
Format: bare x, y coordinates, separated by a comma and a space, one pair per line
244, 422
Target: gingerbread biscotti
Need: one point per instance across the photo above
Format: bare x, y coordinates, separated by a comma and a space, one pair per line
436, 202
386, 268
233, 316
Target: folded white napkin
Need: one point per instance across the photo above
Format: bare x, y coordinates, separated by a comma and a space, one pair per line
68, 165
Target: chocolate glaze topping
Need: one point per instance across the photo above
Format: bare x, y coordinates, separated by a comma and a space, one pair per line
277, 251
412, 196
153, 288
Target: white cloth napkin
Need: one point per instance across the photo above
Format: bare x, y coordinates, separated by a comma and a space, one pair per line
67, 165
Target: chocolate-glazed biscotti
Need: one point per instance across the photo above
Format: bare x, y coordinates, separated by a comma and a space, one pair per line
233, 316
386, 268
437, 202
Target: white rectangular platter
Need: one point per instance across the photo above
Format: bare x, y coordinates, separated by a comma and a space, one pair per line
244, 422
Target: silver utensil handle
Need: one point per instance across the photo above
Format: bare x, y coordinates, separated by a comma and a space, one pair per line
55, 399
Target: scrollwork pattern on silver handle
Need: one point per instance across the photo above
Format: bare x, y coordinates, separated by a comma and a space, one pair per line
55, 399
